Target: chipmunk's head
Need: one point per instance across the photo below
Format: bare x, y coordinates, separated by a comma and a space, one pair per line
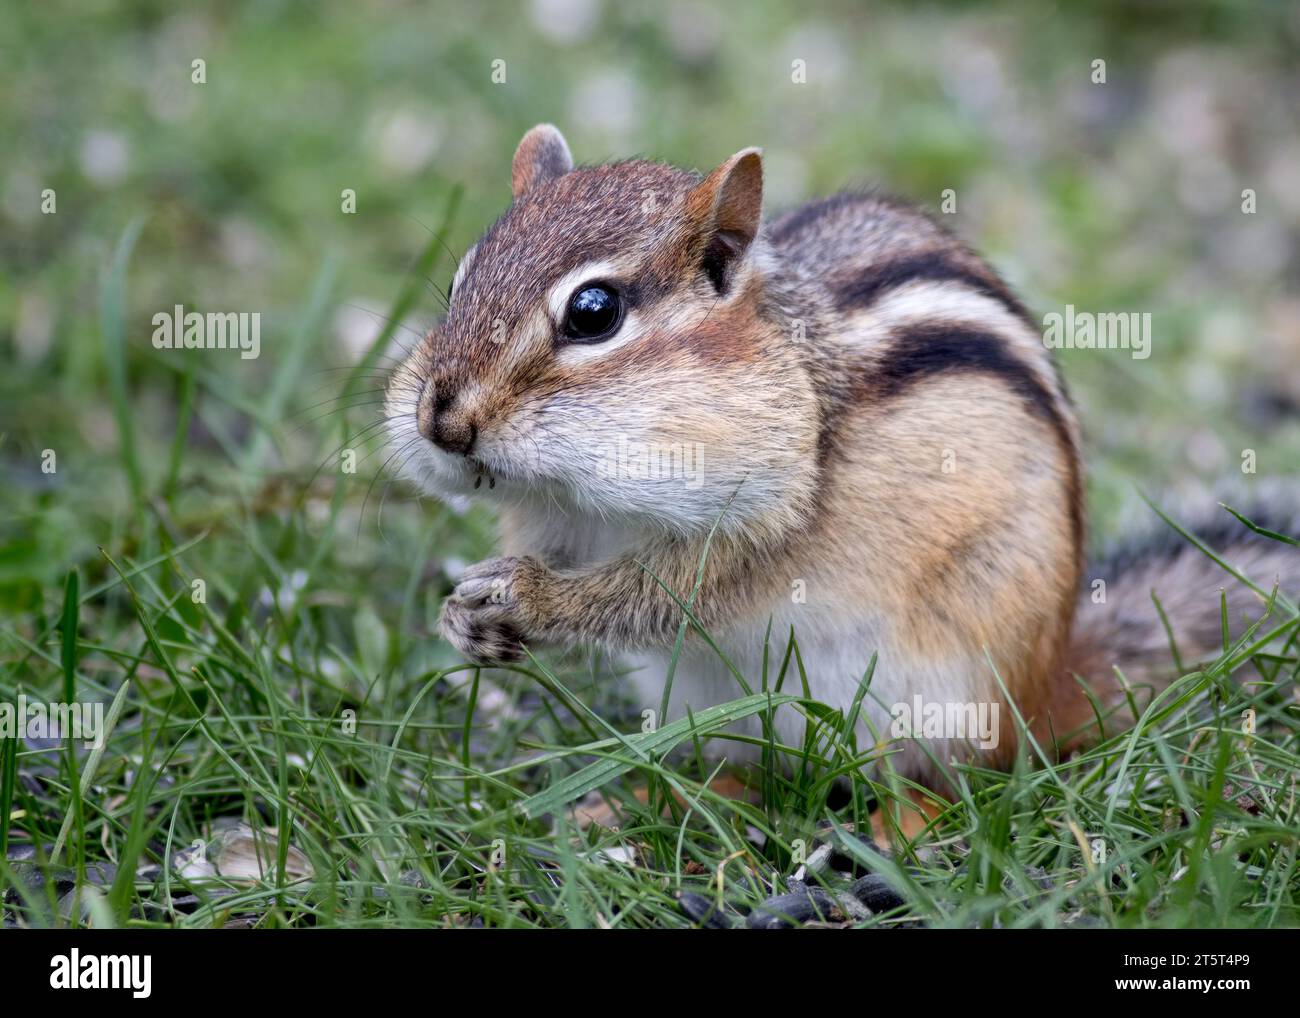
606, 347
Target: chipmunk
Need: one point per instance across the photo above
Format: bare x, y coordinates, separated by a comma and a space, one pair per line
840, 424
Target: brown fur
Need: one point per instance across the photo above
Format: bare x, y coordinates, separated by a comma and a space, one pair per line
832, 364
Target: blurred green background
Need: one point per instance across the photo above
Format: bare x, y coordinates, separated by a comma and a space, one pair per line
1122, 196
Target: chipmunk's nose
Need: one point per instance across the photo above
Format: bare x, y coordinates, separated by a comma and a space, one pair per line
453, 429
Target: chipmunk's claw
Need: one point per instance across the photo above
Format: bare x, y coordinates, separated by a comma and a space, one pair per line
483, 617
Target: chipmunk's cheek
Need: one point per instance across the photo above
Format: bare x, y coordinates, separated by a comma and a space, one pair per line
563, 444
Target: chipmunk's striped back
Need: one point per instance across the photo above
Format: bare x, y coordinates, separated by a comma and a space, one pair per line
888, 267
950, 453
883, 458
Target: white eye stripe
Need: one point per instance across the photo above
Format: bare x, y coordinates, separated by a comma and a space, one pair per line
463, 268
557, 301
629, 331
681, 321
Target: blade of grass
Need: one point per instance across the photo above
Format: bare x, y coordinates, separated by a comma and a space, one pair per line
8, 768
112, 301
184, 411
92, 763
1262, 531
658, 742
68, 625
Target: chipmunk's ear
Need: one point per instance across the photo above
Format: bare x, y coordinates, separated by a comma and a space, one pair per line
542, 155
724, 211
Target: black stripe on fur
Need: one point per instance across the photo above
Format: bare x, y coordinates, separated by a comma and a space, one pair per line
938, 264
923, 351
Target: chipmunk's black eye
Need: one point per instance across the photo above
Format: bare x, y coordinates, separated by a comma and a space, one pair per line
594, 314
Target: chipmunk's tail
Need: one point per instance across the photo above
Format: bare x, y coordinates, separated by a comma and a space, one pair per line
1119, 626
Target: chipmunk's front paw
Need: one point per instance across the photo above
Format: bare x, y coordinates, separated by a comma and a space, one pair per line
489, 616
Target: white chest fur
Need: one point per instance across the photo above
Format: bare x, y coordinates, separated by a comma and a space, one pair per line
836, 643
